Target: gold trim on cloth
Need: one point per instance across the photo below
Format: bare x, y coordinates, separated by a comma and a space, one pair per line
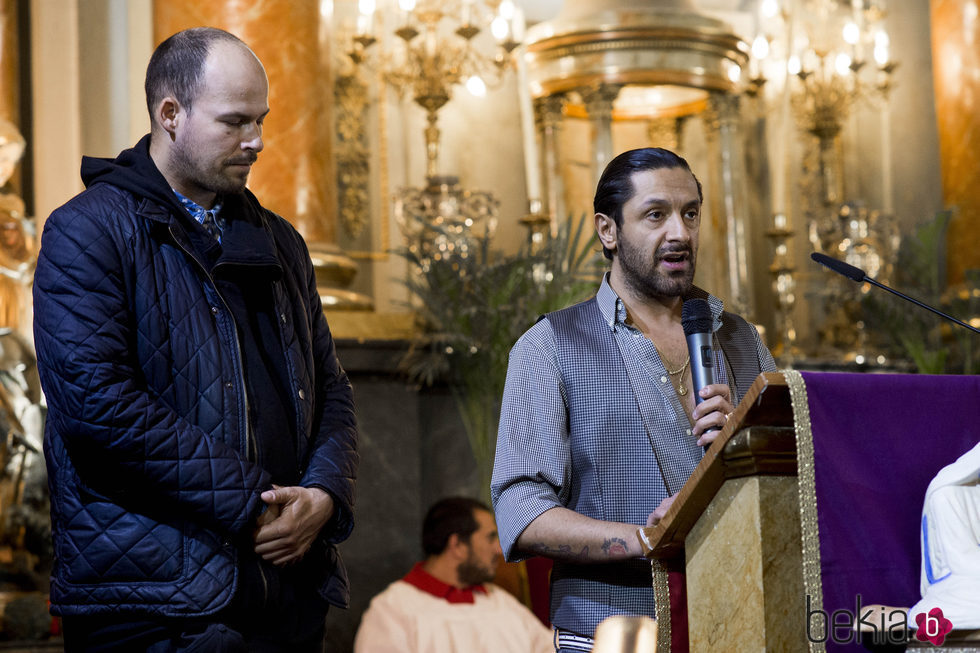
661, 597
806, 480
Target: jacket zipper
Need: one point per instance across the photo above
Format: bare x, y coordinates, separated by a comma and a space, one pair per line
251, 447
301, 435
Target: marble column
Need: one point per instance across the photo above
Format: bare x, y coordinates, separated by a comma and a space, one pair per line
10, 72
729, 199
17, 248
598, 101
294, 175
956, 80
548, 118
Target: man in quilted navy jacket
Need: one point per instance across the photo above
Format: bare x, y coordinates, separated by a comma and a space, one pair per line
201, 439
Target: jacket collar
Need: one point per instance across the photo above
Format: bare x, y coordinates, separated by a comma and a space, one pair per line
246, 242
247, 245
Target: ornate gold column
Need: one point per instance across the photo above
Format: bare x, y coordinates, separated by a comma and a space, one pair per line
654, 59
728, 199
956, 80
598, 99
548, 114
294, 175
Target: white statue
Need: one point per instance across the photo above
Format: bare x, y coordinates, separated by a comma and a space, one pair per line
950, 576
17, 256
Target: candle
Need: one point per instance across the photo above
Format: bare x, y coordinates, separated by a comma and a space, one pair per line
405, 9
886, 160
532, 170
779, 200
365, 17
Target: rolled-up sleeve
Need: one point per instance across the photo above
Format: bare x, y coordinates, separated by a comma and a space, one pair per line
532, 468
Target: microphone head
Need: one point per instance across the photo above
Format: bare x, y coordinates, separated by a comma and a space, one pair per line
696, 316
840, 267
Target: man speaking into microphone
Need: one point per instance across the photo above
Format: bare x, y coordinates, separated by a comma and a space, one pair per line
601, 421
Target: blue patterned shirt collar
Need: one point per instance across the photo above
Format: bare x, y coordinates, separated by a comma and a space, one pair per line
198, 212
614, 310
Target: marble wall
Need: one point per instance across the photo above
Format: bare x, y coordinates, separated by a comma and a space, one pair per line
956, 62
290, 175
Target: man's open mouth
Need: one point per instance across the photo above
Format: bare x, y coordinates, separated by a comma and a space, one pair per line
675, 257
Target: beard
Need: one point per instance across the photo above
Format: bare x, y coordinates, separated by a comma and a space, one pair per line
215, 177
647, 279
471, 572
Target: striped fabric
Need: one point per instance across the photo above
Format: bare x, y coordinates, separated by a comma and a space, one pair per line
566, 642
590, 421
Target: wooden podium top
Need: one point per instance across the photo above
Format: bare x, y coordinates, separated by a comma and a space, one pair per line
758, 439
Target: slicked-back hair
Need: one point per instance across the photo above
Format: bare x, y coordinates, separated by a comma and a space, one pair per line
177, 65
615, 186
448, 516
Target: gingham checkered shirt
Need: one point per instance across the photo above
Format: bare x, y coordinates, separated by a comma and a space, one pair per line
590, 421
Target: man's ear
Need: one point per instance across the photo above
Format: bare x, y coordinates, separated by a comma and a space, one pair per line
456, 547
605, 228
168, 114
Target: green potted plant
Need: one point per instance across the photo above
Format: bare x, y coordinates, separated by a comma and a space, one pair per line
472, 306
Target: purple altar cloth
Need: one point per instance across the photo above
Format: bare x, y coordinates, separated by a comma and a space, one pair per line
878, 440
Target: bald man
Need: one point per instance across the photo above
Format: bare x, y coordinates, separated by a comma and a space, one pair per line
200, 440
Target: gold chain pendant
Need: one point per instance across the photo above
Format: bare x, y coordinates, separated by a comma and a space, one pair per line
681, 390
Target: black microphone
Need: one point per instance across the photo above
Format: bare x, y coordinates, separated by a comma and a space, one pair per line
857, 274
696, 320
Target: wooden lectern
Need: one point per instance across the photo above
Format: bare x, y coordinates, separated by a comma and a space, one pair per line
737, 522
808, 506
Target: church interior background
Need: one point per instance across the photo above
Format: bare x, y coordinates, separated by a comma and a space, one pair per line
411, 138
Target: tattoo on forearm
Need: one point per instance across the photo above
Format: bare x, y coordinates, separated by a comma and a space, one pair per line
563, 552
615, 546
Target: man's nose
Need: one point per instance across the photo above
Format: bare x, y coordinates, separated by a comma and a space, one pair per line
253, 140
677, 228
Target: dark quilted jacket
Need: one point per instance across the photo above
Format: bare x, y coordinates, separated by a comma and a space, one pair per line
145, 440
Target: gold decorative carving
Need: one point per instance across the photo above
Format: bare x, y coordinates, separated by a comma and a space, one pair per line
806, 479
383, 209
722, 110
548, 111
725, 46
598, 99
650, 54
353, 156
664, 132
661, 598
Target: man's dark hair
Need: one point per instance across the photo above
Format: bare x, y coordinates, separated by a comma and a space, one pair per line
615, 186
448, 516
177, 65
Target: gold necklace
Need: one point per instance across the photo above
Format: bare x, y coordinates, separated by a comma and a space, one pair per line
681, 390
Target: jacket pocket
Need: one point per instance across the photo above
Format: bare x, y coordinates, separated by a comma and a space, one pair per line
334, 586
112, 544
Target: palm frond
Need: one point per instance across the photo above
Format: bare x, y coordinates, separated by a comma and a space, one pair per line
471, 309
